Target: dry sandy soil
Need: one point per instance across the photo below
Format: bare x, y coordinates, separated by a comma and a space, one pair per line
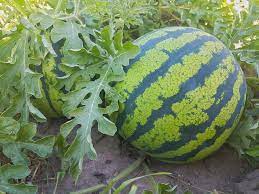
223, 171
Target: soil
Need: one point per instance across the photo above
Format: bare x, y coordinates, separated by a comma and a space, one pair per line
223, 171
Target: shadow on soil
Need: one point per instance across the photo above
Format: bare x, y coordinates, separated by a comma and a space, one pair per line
223, 171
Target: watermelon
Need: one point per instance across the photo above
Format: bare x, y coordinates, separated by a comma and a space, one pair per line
184, 95
50, 104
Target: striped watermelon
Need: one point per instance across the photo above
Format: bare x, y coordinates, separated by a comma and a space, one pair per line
184, 95
50, 104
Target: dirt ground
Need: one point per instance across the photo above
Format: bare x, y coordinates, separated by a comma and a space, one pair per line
223, 171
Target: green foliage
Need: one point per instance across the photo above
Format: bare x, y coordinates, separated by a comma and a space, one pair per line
123, 13
244, 135
93, 55
16, 140
235, 24
105, 58
18, 82
17, 172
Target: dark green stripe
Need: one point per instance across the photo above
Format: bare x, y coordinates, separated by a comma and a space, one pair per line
45, 88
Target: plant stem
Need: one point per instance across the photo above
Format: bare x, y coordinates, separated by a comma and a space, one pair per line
123, 174
90, 190
58, 7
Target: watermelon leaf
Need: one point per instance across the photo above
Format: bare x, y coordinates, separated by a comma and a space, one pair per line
104, 66
17, 81
16, 138
69, 31
244, 135
9, 172
253, 151
246, 34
